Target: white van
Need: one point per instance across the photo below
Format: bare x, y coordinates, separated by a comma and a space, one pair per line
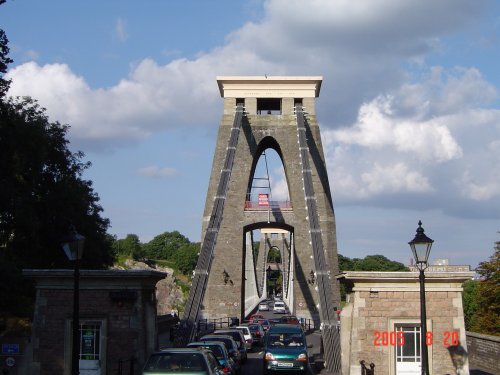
279, 307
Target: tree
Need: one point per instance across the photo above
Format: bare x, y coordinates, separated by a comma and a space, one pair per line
370, 263
469, 303
4, 61
130, 246
186, 257
165, 245
487, 318
43, 191
274, 255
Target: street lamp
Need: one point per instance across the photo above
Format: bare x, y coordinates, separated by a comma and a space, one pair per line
72, 245
421, 248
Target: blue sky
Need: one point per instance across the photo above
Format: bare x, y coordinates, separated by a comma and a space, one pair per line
409, 108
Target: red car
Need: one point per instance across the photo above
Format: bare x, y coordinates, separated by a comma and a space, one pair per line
264, 323
289, 319
253, 317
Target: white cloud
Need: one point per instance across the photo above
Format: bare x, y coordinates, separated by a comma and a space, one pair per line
377, 127
394, 178
155, 171
335, 38
390, 129
120, 29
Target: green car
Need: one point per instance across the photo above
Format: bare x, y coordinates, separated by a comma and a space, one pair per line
183, 361
285, 349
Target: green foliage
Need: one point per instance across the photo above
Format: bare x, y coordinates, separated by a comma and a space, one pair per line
130, 245
469, 303
186, 257
370, 263
165, 245
5, 60
170, 249
43, 191
487, 318
274, 255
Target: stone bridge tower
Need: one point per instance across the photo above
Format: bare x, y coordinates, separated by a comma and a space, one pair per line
261, 113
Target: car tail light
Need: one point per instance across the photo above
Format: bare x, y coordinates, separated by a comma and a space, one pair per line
226, 369
269, 357
302, 357
257, 333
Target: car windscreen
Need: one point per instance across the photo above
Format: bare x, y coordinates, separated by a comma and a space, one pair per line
245, 331
176, 362
216, 349
286, 340
227, 342
234, 334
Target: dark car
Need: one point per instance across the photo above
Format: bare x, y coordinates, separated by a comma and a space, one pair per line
231, 346
186, 361
220, 352
285, 350
237, 335
257, 333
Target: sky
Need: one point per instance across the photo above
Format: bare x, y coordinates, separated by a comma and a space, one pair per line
409, 108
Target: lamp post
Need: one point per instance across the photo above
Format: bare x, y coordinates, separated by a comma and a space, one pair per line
421, 248
72, 245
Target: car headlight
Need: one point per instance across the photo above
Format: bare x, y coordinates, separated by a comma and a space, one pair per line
269, 357
302, 357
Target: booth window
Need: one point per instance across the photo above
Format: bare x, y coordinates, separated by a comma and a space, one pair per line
269, 106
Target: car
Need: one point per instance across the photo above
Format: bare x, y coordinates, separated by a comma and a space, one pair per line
255, 316
285, 350
238, 337
219, 350
279, 307
263, 306
289, 319
265, 323
195, 361
231, 346
247, 335
257, 333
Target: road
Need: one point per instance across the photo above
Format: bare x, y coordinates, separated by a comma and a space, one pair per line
254, 364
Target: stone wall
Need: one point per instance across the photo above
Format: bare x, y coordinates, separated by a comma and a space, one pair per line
484, 352
379, 301
122, 303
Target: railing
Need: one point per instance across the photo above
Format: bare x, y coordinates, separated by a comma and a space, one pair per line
308, 324
205, 326
122, 365
273, 205
365, 370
